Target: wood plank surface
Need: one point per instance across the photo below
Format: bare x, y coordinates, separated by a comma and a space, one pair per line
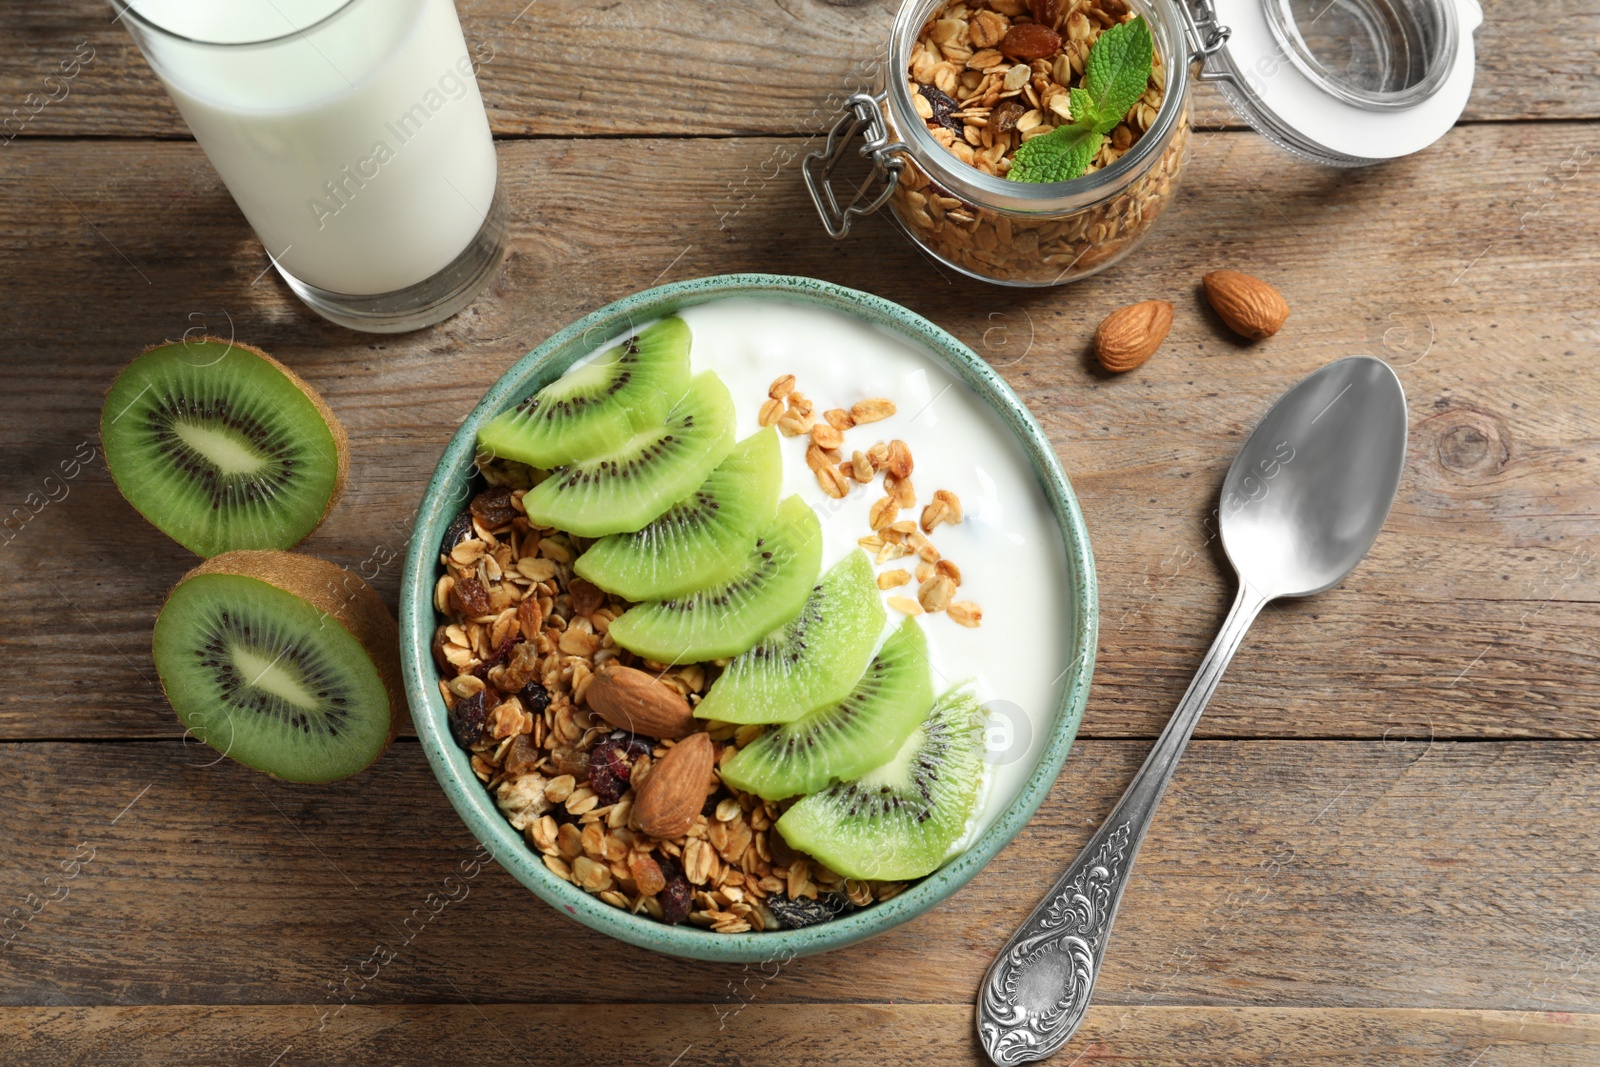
1380, 852
1455, 875
780, 1035
1473, 617
572, 67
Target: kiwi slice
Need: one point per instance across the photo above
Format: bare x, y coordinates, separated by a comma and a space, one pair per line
727, 618
596, 407
286, 663
702, 539
811, 661
222, 447
900, 819
623, 490
847, 738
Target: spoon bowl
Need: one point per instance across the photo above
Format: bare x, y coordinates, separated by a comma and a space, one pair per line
1308, 492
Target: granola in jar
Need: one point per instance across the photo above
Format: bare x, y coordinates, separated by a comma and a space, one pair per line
987, 76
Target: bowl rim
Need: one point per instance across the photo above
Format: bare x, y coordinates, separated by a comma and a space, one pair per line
447, 493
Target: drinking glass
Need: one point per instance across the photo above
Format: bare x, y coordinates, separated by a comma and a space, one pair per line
352, 135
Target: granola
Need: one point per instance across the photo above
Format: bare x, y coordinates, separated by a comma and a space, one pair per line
518, 648
982, 98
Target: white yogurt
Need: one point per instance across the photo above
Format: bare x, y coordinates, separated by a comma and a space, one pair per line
359, 151
1008, 546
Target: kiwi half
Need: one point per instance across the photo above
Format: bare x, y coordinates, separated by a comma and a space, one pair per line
222, 447
623, 490
596, 407
848, 738
813, 660
702, 539
727, 618
899, 820
286, 663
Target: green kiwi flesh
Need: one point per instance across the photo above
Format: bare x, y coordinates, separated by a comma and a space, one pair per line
813, 660
729, 617
625, 489
285, 663
701, 540
899, 820
598, 406
222, 447
845, 739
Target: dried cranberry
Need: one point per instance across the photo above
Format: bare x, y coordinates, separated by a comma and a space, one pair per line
467, 718
608, 772
675, 898
493, 507
611, 764
943, 105
535, 698
459, 530
797, 913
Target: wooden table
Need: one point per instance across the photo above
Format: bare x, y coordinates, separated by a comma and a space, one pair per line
1381, 849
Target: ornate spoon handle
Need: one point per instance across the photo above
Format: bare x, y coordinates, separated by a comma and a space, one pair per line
1038, 987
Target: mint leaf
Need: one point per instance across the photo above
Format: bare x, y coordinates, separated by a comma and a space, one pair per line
1084, 110
1118, 68
1115, 76
1058, 156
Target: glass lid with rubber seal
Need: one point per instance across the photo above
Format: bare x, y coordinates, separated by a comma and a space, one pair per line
1344, 82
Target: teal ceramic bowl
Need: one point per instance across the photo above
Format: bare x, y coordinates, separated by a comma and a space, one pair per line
452, 486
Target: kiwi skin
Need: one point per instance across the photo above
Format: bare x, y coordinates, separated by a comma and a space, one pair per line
341, 440
328, 588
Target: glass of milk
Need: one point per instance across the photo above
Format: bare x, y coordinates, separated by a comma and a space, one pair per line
352, 136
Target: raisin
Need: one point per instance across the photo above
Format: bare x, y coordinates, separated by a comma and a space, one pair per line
1005, 117
470, 596
493, 507
794, 914
459, 530
1029, 40
674, 899
569, 762
523, 667
943, 106
535, 698
523, 755
467, 718
1048, 12
586, 597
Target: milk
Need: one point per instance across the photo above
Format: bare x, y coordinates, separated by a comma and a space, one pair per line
356, 143
1009, 548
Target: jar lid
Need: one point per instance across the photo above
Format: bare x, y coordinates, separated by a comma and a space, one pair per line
1346, 82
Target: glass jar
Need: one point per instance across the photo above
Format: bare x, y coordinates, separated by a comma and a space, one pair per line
1342, 82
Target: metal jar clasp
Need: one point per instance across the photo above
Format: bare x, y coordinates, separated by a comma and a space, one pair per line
862, 117
1206, 35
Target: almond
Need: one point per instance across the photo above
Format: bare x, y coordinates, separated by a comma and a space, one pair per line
1249, 306
633, 700
666, 805
1129, 336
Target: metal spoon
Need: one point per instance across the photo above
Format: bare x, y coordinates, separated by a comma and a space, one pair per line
1300, 507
